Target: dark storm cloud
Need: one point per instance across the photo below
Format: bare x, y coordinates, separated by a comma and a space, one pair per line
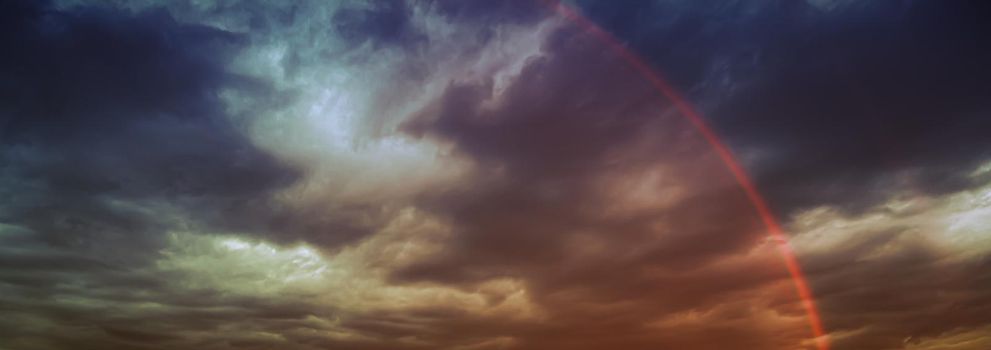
547, 136
836, 104
574, 117
110, 124
106, 105
548, 113
542, 141
488, 16
844, 105
589, 215
491, 12
103, 106
379, 23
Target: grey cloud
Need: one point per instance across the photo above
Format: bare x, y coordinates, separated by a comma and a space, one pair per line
113, 122
830, 104
889, 288
585, 199
569, 119
380, 23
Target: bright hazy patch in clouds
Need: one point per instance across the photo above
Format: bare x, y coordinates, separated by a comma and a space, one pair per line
350, 281
953, 224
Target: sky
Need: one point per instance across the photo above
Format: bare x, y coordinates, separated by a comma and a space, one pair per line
475, 175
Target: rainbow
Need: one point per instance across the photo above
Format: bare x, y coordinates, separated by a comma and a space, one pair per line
696, 119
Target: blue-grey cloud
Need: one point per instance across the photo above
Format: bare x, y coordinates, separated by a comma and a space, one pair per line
834, 103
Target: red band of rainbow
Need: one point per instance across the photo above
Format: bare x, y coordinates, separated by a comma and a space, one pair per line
696, 119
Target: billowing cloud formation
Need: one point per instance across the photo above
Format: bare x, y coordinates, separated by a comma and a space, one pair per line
861, 99
489, 175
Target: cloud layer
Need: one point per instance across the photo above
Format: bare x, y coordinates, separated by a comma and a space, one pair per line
489, 175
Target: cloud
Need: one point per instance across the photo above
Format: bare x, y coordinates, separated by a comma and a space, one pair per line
382, 22
114, 120
551, 152
903, 273
486, 175
837, 104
